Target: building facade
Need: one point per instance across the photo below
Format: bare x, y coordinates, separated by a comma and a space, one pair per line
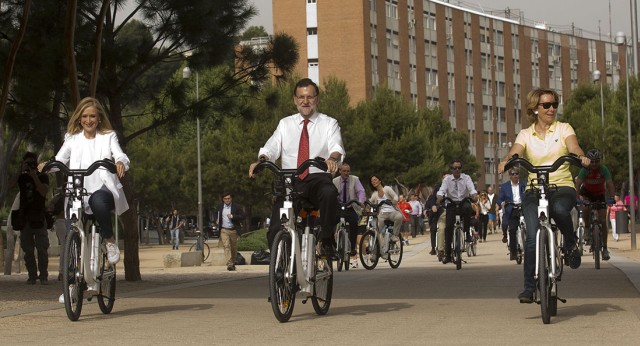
477, 67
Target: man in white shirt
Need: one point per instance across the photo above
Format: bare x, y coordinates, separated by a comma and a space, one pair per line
323, 139
416, 212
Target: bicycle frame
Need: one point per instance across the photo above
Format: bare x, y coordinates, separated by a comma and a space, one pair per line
544, 222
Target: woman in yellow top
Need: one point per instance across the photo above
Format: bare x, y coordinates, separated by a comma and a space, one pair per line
542, 143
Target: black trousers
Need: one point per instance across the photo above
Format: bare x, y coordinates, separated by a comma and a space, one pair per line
450, 219
35, 239
318, 190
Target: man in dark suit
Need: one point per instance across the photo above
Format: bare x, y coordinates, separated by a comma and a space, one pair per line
511, 191
229, 217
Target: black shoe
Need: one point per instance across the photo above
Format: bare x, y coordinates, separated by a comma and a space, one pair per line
440, 256
328, 248
605, 255
512, 256
31, 281
446, 259
231, 267
44, 281
432, 252
504, 239
526, 297
60, 277
353, 252
574, 259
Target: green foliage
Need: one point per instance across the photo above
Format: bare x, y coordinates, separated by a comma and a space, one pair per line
252, 32
582, 111
253, 241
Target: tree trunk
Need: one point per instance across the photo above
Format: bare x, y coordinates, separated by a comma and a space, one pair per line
97, 58
74, 89
130, 225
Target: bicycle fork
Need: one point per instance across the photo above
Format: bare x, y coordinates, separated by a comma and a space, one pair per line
554, 257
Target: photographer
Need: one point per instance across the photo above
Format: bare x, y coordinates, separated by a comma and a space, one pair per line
31, 220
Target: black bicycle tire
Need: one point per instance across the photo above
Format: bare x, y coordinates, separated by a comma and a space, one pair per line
395, 263
340, 252
106, 301
347, 249
596, 243
457, 248
321, 304
71, 275
282, 290
365, 251
581, 239
543, 275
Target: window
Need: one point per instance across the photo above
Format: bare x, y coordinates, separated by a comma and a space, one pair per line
392, 10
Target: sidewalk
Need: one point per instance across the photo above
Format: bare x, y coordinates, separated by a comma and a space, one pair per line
17, 298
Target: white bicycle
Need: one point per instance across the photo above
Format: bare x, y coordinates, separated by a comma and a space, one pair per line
85, 266
296, 264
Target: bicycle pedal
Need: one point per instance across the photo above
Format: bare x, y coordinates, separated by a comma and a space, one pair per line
564, 301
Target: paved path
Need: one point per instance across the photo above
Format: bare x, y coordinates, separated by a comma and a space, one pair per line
422, 302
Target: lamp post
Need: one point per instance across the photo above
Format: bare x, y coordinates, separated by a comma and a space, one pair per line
596, 78
186, 74
621, 40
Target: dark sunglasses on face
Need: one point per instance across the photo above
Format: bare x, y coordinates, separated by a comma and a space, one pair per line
546, 105
514, 173
455, 168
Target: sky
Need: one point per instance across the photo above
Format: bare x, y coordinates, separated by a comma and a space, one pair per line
590, 15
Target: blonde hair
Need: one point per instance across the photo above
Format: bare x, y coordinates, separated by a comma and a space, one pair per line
104, 125
533, 99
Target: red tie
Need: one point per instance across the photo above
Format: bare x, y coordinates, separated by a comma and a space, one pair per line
303, 148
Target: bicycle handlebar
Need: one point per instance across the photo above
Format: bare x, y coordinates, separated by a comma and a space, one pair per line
350, 203
318, 162
377, 206
515, 159
106, 163
459, 203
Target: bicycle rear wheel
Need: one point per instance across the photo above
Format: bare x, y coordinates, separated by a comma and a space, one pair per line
395, 252
281, 288
369, 250
596, 242
107, 290
580, 235
322, 286
544, 284
73, 285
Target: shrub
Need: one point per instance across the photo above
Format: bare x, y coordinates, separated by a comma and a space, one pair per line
253, 240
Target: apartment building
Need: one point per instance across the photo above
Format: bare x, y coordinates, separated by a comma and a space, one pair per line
476, 67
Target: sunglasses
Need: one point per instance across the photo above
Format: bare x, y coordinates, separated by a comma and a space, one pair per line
514, 173
546, 105
454, 168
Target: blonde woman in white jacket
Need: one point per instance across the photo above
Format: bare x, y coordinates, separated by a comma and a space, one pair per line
90, 137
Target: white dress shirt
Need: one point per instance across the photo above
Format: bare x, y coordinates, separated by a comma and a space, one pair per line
324, 139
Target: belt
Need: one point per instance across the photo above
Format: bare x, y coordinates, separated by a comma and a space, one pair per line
230, 229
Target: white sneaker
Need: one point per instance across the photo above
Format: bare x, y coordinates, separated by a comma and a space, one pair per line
61, 299
113, 253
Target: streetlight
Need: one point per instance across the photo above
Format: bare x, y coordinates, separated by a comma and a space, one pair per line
596, 78
621, 40
186, 74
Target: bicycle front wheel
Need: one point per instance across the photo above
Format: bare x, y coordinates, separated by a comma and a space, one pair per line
322, 286
580, 235
395, 252
281, 287
72, 283
342, 251
596, 242
107, 293
544, 284
369, 250
457, 249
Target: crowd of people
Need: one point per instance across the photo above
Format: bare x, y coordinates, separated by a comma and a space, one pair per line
309, 134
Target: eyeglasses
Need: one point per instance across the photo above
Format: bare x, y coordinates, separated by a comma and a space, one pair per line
455, 168
306, 98
546, 105
514, 173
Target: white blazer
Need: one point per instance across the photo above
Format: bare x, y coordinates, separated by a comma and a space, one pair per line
106, 147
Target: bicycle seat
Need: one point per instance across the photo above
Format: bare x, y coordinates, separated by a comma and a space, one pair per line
388, 222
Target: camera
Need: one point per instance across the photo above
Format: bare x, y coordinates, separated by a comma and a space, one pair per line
31, 165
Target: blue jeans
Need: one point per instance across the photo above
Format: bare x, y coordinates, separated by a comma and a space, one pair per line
560, 204
175, 237
102, 203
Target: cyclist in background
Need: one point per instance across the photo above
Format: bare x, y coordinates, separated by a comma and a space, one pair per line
592, 184
456, 186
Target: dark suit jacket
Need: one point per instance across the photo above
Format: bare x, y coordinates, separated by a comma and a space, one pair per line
506, 195
238, 215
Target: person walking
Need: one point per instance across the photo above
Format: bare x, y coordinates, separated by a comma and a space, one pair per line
405, 209
617, 205
175, 223
30, 220
230, 217
484, 205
